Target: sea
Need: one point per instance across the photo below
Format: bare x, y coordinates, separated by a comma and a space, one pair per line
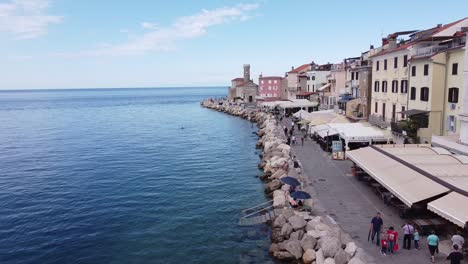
126, 176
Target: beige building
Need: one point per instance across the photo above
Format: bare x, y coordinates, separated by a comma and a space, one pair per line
243, 89
296, 81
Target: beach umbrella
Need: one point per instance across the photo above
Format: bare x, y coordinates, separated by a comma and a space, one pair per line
300, 195
290, 181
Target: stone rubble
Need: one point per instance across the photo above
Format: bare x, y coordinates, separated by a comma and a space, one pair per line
297, 237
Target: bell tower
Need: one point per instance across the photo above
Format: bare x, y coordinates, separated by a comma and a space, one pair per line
246, 72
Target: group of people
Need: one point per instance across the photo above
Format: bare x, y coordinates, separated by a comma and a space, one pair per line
291, 137
388, 240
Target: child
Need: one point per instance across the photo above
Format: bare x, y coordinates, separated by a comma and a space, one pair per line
416, 238
384, 244
392, 237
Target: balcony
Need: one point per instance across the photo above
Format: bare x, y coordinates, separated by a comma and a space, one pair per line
427, 51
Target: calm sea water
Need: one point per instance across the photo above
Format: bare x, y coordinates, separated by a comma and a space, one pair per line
125, 176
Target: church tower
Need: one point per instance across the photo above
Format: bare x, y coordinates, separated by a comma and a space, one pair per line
246, 72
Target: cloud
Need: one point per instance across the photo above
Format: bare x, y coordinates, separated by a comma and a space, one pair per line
161, 38
148, 25
26, 18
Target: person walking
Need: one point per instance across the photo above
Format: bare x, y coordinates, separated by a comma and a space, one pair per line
375, 227
302, 140
286, 131
433, 244
457, 239
408, 231
293, 138
455, 256
416, 238
392, 237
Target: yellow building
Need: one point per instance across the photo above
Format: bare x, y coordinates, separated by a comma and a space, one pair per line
436, 83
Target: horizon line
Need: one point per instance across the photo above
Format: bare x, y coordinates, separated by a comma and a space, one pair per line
106, 88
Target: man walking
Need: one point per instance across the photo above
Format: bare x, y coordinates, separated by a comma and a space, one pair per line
408, 231
375, 227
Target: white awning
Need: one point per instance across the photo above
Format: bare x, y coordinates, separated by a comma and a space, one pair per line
453, 207
297, 103
405, 183
323, 87
327, 133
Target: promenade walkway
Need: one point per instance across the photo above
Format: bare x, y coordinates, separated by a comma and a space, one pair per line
352, 204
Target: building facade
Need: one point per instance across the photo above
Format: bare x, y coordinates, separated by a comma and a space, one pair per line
296, 81
269, 87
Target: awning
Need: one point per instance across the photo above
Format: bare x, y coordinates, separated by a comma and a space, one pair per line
327, 133
345, 100
452, 207
403, 182
323, 87
413, 112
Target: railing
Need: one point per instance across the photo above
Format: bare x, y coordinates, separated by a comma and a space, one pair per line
427, 51
377, 120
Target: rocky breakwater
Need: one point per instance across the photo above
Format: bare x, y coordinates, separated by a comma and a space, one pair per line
297, 236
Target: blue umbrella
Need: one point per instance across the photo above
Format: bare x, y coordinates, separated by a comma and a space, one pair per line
300, 195
290, 181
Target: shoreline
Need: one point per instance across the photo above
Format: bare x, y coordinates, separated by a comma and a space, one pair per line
296, 237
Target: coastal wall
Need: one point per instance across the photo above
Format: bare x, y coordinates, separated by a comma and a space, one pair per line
296, 236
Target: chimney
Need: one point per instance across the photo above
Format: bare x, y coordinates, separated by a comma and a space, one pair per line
292, 68
371, 47
391, 41
246, 72
384, 41
439, 25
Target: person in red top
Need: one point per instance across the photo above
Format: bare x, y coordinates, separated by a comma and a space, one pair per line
392, 237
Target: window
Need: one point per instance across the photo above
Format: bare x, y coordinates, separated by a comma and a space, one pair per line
426, 69
376, 109
384, 86
395, 86
453, 95
454, 68
269, 88
395, 62
377, 66
451, 123
275, 81
352, 76
383, 111
413, 71
393, 112
261, 81
402, 111
405, 61
376, 86
269, 81
424, 94
413, 93
275, 88
357, 75
313, 87
385, 64
313, 78
404, 86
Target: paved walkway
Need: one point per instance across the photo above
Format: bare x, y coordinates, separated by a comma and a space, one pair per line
352, 204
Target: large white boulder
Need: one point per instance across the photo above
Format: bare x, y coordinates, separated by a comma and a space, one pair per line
297, 222
294, 247
351, 249
308, 242
279, 221
329, 261
330, 246
319, 257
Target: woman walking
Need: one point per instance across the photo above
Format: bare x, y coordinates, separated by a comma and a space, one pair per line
433, 244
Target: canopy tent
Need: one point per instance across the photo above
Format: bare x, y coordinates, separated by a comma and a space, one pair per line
324, 87
297, 103
452, 207
412, 112
405, 183
300, 113
351, 132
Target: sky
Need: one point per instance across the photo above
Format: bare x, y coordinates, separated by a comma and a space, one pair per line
159, 43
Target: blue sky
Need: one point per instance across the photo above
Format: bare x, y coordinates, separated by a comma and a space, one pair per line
93, 44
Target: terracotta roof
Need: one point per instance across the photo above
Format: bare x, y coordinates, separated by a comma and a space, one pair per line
237, 79
270, 77
301, 68
431, 32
